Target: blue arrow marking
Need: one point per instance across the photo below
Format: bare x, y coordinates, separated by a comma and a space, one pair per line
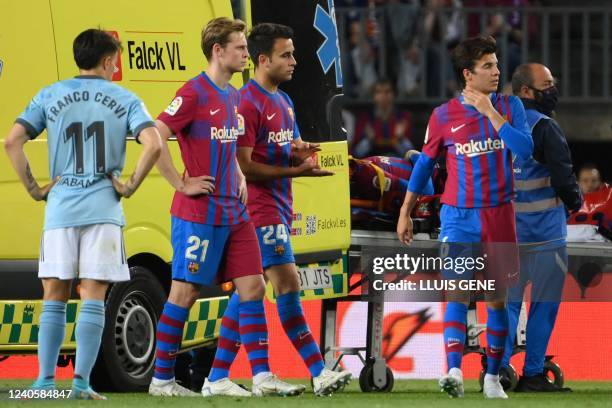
329, 51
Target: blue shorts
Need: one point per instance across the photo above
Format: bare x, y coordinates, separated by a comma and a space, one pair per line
209, 254
275, 245
476, 232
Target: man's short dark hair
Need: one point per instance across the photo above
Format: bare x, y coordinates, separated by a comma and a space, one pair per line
92, 45
469, 51
262, 37
522, 76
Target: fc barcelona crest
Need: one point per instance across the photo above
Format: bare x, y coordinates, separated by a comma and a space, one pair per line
193, 267
279, 249
290, 113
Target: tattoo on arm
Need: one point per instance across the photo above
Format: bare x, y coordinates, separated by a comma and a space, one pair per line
30, 177
131, 184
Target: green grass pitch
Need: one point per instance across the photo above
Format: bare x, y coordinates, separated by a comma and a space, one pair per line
406, 393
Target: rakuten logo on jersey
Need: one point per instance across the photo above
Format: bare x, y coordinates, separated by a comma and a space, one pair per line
476, 148
282, 138
225, 135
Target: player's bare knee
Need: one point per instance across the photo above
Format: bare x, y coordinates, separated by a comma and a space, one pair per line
56, 289
458, 296
90, 289
250, 287
497, 299
284, 278
183, 294
290, 284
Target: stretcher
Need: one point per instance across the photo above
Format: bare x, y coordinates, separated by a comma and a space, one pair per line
587, 263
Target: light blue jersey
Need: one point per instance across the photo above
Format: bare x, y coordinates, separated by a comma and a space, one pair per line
87, 120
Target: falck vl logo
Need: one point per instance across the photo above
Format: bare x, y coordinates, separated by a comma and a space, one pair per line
329, 51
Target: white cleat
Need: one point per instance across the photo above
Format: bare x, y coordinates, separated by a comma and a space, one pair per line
330, 381
452, 383
224, 387
272, 385
170, 389
492, 388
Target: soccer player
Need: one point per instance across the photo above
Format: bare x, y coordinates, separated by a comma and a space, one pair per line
480, 131
546, 189
212, 236
87, 120
270, 143
367, 175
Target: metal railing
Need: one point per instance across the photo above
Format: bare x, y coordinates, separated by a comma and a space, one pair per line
573, 42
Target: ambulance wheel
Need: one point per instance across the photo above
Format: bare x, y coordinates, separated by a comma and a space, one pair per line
554, 373
127, 353
366, 380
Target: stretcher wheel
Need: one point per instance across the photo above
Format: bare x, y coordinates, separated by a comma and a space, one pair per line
366, 380
553, 372
508, 377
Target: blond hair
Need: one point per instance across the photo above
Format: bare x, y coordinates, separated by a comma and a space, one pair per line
218, 31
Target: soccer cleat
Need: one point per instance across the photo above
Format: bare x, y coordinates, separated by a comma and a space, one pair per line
538, 383
224, 387
452, 383
85, 394
272, 385
170, 389
492, 388
47, 385
330, 381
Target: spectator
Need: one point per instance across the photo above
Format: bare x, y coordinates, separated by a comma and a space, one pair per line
439, 33
363, 57
594, 219
505, 27
589, 178
384, 130
402, 23
409, 73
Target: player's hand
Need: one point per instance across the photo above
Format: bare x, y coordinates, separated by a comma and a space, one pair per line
123, 190
243, 192
404, 227
309, 168
479, 100
40, 193
305, 150
193, 186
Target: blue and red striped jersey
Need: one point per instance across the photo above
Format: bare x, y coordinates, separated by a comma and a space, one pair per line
205, 120
478, 161
399, 167
270, 128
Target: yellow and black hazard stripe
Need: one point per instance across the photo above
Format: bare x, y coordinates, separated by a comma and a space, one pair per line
204, 321
19, 324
